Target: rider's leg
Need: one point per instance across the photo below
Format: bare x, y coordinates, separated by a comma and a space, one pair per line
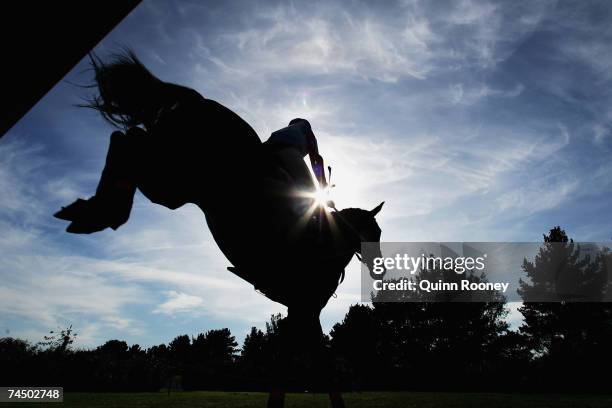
299, 184
112, 203
293, 162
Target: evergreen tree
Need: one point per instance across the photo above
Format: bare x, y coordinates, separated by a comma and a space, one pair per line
569, 338
256, 358
180, 350
218, 346
355, 344
212, 359
450, 341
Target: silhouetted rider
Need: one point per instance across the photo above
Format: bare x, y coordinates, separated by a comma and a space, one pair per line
293, 143
288, 147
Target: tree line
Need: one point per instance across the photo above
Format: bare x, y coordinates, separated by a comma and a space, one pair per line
561, 346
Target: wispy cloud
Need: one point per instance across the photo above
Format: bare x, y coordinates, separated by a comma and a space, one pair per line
469, 118
179, 302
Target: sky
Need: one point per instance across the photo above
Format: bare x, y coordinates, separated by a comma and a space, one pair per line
472, 120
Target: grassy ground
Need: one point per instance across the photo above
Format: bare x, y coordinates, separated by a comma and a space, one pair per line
204, 399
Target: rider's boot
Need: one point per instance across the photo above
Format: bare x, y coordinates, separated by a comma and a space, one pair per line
112, 203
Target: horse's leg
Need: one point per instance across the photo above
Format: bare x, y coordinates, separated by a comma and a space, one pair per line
336, 399
312, 332
299, 336
307, 335
112, 203
326, 372
276, 399
117, 184
281, 365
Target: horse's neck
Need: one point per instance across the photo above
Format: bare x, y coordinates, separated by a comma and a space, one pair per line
345, 234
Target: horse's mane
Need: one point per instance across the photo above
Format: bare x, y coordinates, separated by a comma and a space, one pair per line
351, 218
352, 212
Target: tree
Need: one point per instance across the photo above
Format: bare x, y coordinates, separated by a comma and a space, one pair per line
356, 343
261, 353
180, 350
440, 340
215, 345
255, 356
16, 359
254, 345
563, 271
207, 360
117, 348
569, 338
59, 341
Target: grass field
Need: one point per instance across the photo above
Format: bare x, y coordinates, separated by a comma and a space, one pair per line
205, 399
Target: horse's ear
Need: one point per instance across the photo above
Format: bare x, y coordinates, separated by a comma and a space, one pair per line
376, 209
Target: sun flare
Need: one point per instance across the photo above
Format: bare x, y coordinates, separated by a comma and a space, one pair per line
322, 196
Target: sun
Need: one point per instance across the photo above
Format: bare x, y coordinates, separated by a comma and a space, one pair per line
321, 196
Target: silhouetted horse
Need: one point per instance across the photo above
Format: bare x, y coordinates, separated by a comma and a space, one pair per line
194, 150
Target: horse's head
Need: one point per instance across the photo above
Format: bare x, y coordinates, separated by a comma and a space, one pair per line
360, 226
